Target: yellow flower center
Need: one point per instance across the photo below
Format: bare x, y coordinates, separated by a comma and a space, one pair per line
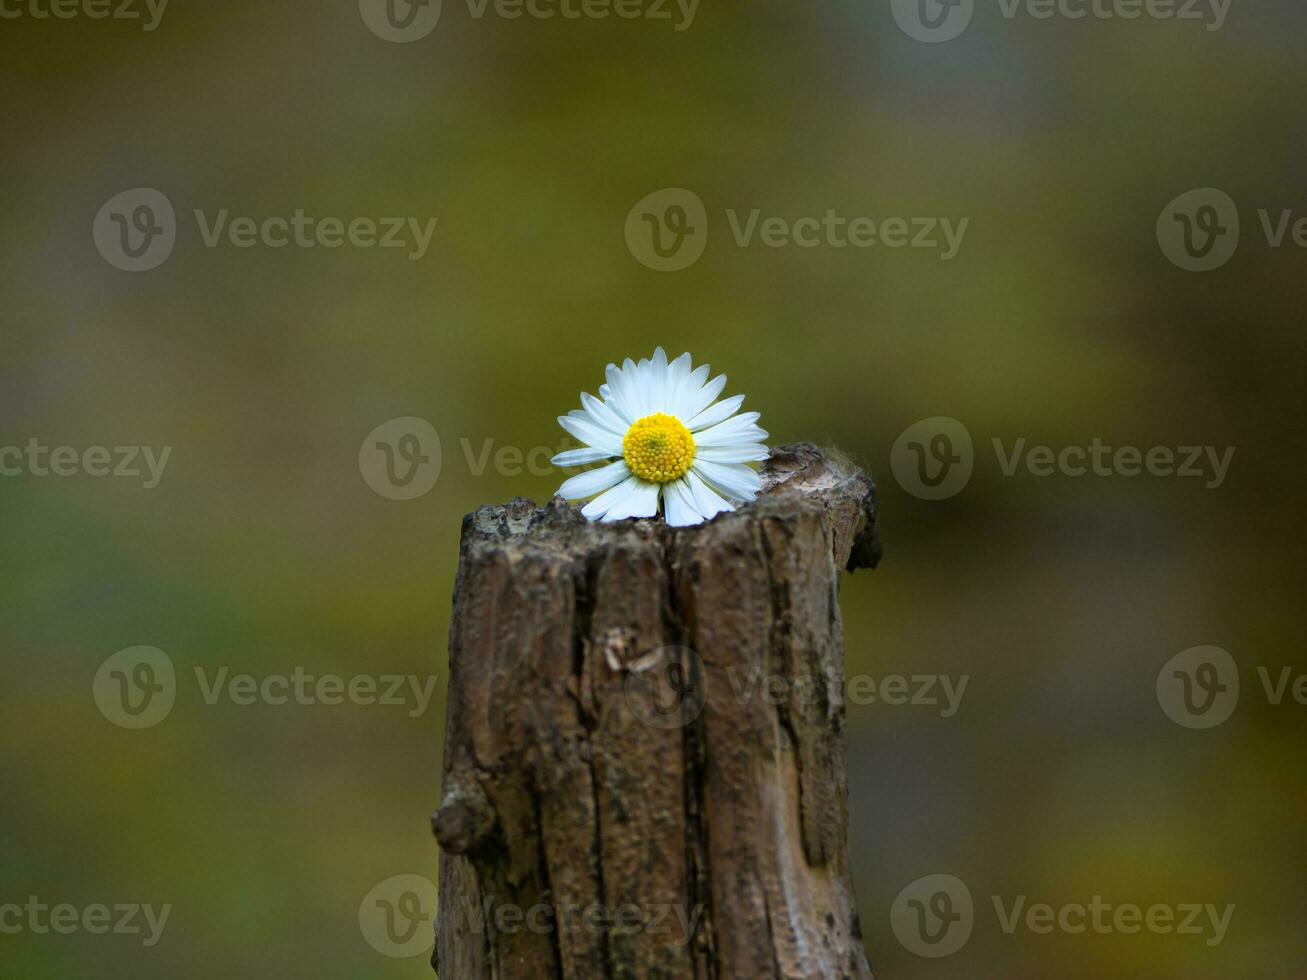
658, 448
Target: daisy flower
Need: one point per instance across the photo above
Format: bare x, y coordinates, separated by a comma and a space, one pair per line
670, 440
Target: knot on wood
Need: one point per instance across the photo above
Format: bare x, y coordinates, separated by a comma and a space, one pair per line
464, 820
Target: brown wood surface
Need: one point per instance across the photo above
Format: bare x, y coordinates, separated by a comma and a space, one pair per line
624, 795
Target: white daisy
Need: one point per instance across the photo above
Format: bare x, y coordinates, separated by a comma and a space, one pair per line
670, 439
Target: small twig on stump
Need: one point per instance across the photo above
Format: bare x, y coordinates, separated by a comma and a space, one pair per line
645, 762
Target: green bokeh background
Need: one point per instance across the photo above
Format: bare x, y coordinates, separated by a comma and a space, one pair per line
263, 549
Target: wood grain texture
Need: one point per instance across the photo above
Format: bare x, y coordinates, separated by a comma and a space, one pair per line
645, 761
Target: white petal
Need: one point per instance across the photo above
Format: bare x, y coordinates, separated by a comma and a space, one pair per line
644, 376
720, 412
706, 500
678, 372
735, 480
602, 414
592, 435
648, 385
640, 502
678, 504
696, 401
678, 375
690, 388
659, 371
736, 452
608, 398
635, 388
598, 507
591, 482
579, 457
721, 440
741, 428
622, 401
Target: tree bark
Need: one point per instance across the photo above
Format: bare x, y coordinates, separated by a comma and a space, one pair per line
645, 766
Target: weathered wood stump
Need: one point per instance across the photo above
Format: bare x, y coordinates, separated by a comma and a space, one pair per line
645, 762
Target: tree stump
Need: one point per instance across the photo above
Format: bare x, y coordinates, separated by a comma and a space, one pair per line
645, 765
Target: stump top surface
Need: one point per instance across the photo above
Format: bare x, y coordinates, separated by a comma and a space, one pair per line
796, 478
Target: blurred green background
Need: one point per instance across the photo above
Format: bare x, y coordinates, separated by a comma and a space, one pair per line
262, 548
